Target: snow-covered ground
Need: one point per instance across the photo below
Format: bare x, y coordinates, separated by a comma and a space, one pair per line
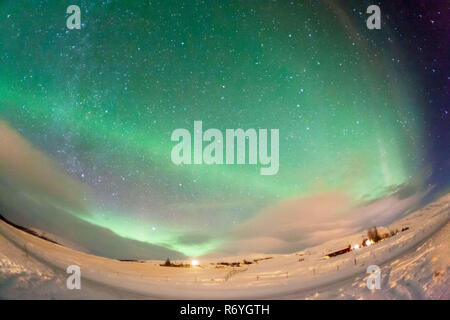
414, 265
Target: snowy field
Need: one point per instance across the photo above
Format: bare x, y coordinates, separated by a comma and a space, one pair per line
414, 264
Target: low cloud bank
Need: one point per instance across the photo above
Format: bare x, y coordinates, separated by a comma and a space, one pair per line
36, 193
296, 224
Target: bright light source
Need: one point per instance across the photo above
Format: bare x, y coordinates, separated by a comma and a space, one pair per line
368, 242
194, 262
356, 247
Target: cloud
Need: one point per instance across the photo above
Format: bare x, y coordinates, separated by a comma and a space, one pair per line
298, 223
33, 171
36, 193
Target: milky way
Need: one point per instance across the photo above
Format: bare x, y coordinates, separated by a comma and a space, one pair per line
103, 101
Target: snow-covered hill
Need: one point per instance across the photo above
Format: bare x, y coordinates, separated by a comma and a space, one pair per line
414, 264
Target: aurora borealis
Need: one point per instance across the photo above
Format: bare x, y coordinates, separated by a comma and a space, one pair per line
103, 101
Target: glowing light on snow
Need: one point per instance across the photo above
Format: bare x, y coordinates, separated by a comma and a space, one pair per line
356, 247
368, 242
195, 262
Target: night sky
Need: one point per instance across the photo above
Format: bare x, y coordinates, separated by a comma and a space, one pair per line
86, 115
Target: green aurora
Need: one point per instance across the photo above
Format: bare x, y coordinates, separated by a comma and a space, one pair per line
103, 101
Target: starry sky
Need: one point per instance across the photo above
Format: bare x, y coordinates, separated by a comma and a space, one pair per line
86, 116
